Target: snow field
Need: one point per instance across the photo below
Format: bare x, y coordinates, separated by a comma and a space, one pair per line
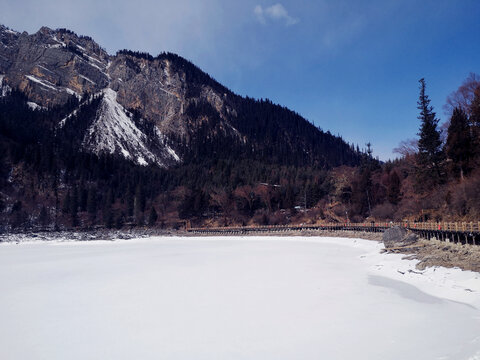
231, 298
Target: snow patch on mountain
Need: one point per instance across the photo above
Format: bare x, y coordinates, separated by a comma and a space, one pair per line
6, 30
44, 68
62, 122
34, 106
44, 83
114, 132
54, 37
52, 46
163, 140
142, 161
4, 89
87, 79
11, 32
48, 85
74, 93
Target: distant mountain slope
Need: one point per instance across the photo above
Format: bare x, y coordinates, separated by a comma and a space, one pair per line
155, 110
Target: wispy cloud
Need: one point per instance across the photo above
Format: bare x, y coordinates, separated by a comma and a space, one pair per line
275, 12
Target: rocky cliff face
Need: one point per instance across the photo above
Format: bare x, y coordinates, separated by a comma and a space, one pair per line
159, 90
155, 110
52, 66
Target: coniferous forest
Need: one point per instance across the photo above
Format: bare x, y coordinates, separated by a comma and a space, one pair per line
47, 183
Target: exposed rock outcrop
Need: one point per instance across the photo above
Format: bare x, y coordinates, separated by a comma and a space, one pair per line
397, 237
51, 66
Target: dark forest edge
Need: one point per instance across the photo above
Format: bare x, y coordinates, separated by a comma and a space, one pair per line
48, 184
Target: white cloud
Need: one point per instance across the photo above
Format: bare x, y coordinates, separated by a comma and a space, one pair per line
258, 11
275, 12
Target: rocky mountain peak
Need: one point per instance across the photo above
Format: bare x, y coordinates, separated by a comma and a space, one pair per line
51, 66
154, 110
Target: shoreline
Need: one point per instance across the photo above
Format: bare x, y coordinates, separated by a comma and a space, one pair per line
92, 235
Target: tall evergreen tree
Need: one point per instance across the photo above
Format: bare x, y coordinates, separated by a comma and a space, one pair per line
119, 220
139, 204
153, 217
74, 207
19, 216
83, 197
66, 203
107, 215
91, 201
393, 188
130, 202
459, 146
475, 122
362, 193
43, 217
92, 205
430, 156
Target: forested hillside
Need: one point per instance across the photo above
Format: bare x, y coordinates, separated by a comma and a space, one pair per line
134, 140
144, 151
47, 181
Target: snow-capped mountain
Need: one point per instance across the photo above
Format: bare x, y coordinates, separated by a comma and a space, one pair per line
159, 110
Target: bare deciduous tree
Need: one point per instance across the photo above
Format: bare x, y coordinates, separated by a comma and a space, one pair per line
247, 195
223, 200
266, 193
407, 148
462, 98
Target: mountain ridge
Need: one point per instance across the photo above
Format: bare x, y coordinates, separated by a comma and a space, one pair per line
174, 109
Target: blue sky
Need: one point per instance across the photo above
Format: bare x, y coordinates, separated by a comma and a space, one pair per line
351, 67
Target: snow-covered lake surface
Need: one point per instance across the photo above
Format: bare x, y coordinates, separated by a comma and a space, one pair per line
231, 298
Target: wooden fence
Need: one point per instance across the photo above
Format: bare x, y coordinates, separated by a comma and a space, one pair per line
463, 232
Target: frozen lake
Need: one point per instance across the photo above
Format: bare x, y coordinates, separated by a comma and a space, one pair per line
231, 298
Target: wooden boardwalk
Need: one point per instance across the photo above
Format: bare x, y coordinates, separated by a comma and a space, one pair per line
463, 232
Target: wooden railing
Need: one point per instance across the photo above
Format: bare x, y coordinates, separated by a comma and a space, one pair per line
473, 227
463, 227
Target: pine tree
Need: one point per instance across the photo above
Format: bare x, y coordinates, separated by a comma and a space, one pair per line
18, 216
91, 201
130, 202
362, 193
119, 220
74, 207
109, 201
107, 212
153, 217
107, 216
43, 217
459, 146
369, 150
475, 123
92, 205
83, 198
66, 203
393, 188
430, 155
139, 204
